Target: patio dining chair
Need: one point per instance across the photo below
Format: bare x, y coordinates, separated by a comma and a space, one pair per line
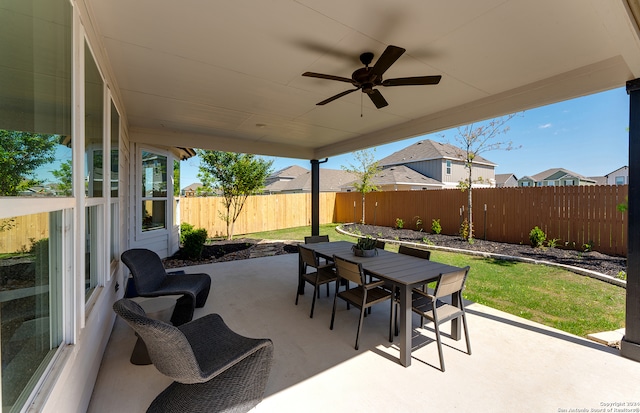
214, 369
152, 280
363, 295
323, 274
431, 307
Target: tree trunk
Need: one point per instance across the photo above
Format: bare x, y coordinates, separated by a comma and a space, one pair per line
470, 204
362, 209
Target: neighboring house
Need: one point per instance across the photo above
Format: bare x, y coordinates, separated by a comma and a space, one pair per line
618, 177
506, 180
399, 178
556, 177
599, 180
279, 180
191, 190
296, 179
441, 162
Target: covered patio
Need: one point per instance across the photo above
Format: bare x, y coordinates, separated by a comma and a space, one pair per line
516, 365
147, 81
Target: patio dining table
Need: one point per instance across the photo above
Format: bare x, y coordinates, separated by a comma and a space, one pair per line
404, 271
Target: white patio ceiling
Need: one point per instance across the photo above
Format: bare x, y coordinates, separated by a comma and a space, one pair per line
227, 74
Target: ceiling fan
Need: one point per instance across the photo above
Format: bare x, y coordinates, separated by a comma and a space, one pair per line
367, 78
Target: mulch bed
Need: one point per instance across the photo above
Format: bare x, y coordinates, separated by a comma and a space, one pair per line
240, 249
591, 260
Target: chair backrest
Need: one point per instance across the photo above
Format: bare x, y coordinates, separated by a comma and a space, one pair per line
416, 252
308, 256
312, 239
146, 268
169, 349
349, 270
451, 282
380, 244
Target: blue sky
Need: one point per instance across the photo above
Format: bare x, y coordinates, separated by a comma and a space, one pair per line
587, 135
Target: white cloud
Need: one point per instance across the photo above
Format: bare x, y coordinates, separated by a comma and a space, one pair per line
545, 126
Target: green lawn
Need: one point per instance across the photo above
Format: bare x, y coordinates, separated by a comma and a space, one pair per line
550, 296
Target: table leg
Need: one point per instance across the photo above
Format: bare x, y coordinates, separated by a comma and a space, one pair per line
405, 325
300, 272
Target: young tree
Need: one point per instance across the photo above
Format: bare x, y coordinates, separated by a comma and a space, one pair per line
21, 153
234, 176
64, 175
474, 140
365, 169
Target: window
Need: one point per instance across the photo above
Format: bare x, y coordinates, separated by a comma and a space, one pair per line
30, 300
35, 91
620, 180
35, 130
551, 183
448, 167
538, 183
568, 182
154, 191
525, 183
114, 250
93, 129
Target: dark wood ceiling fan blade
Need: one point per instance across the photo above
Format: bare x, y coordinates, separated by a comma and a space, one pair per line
410, 81
332, 98
329, 77
377, 99
389, 57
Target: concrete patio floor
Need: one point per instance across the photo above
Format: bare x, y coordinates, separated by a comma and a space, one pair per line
516, 365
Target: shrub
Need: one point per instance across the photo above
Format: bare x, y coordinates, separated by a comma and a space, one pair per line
552, 243
435, 226
537, 237
399, 223
464, 229
418, 223
194, 243
185, 228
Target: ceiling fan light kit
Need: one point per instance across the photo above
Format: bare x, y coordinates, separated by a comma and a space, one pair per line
367, 78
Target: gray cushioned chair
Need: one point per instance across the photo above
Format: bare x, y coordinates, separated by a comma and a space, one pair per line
213, 368
152, 280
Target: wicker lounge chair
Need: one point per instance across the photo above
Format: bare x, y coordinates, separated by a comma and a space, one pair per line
213, 368
152, 280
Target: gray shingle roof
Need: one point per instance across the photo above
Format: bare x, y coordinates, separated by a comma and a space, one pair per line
428, 150
546, 174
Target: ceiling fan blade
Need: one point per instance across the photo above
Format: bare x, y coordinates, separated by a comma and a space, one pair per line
409, 81
377, 99
329, 77
332, 98
389, 57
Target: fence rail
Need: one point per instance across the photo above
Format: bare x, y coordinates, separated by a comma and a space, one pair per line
577, 216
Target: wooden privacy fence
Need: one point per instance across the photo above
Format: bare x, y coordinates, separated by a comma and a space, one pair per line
260, 213
574, 215
18, 234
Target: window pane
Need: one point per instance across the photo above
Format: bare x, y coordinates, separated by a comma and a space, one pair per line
93, 231
35, 98
153, 215
115, 139
154, 175
30, 301
93, 106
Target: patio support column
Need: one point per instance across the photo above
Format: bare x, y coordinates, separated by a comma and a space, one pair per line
315, 196
630, 345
